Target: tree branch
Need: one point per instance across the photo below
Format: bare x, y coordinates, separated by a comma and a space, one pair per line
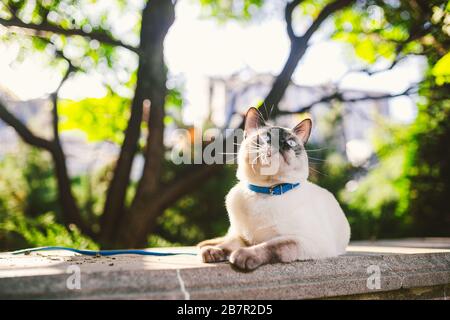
391, 66
339, 97
328, 10
288, 10
22, 130
54, 96
298, 49
190, 181
47, 27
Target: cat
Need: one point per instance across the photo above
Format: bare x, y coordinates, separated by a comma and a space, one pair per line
267, 225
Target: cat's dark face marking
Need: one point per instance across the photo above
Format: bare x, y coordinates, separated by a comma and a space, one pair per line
282, 139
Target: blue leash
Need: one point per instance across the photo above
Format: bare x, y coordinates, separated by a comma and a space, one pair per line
98, 253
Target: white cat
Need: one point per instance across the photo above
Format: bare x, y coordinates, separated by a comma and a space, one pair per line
276, 214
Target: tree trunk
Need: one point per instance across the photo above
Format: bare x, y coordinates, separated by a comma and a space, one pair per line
157, 17
135, 235
282, 81
115, 199
71, 211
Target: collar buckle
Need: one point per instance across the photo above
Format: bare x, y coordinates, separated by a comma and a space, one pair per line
272, 189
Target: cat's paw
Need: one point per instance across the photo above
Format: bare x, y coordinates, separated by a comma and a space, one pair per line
246, 259
211, 254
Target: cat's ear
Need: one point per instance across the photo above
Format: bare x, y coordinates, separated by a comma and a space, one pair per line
253, 120
303, 130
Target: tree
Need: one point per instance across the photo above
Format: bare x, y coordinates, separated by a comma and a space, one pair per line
49, 24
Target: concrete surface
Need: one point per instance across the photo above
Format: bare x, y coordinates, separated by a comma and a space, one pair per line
407, 269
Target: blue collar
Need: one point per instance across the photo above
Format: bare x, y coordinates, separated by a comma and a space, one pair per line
276, 190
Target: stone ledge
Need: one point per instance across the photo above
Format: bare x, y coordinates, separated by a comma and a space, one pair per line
409, 268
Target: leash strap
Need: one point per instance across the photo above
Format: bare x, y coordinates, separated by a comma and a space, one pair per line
103, 252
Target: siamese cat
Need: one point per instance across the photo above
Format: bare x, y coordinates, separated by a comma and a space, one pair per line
275, 213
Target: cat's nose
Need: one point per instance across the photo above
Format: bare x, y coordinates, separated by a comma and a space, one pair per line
269, 153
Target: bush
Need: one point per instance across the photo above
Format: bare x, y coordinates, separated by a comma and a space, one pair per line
28, 206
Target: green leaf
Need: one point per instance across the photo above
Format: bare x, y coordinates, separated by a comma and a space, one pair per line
99, 118
441, 70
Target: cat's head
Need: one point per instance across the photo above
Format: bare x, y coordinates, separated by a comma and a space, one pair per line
270, 154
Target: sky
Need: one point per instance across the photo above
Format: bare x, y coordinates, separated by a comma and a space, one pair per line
197, 48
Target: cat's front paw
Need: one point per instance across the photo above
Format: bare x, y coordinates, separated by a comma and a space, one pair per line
246, 259
211, 254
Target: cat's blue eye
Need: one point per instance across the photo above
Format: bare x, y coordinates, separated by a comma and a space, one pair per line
265, 138
291, 143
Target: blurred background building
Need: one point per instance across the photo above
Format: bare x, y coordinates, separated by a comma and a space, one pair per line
230, 97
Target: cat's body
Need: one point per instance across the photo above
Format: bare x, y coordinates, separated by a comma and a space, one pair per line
308, 214
303, 223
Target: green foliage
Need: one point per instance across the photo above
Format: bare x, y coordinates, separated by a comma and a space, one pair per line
106, 118
370, 206
441, 70
28, 206
101, 119
174, 107
29, 213
377, 29
155, 241
405, 193
428, 167
27, 184
42, 231
89, 56
377, 208
368, 32
224, 10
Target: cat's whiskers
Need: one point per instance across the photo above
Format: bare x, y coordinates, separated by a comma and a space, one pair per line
253, 149
231, 160
254, 143
323, 160
316, 150
256, 159
317, 171
260, 156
